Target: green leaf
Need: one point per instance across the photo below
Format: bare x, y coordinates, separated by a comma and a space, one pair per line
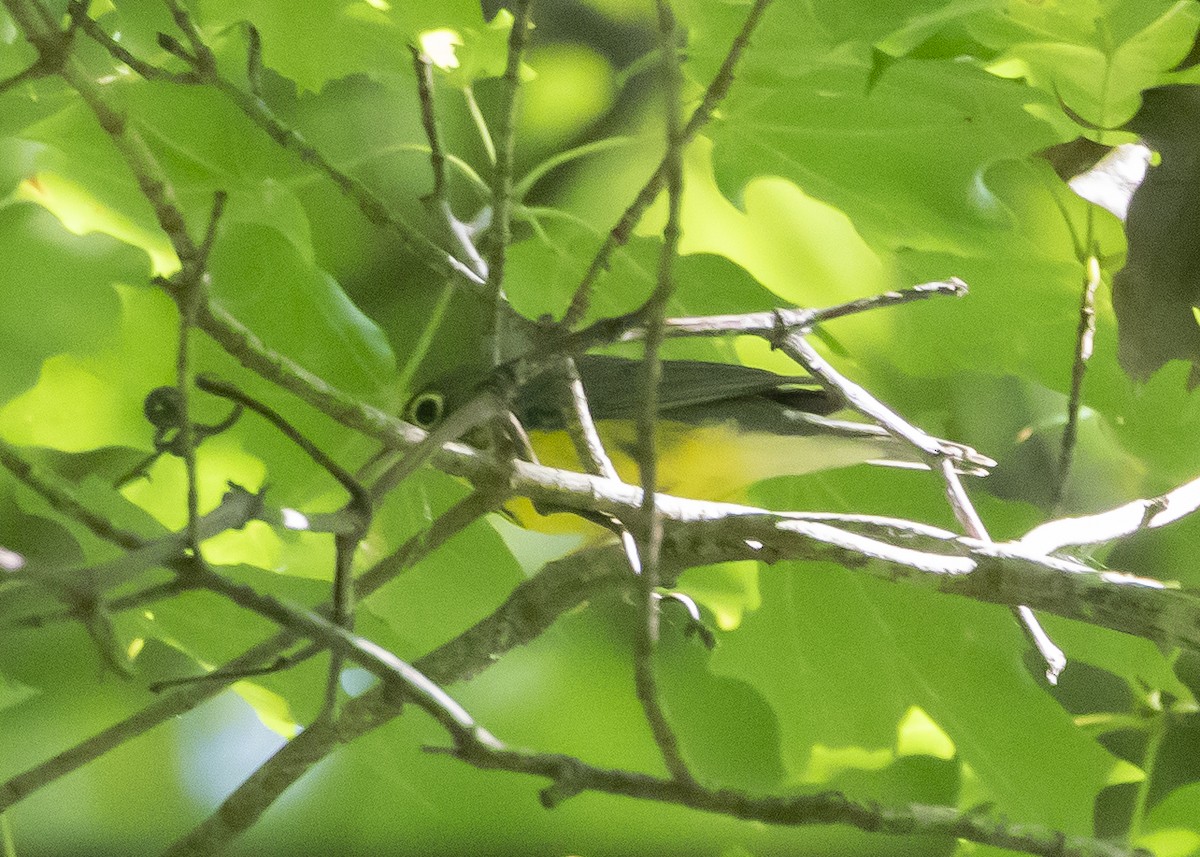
300, 310
60, 292
1090, 57
92, 400
13, 693
337, 38
934, 127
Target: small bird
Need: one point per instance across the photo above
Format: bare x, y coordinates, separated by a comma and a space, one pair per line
720, 427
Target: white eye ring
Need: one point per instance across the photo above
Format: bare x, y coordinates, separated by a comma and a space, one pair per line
425, 410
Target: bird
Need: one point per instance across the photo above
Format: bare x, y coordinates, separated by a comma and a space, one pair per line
720, 427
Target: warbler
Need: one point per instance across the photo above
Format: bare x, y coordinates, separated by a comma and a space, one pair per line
720, 427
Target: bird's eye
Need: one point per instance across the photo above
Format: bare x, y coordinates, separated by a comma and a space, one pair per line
425, 410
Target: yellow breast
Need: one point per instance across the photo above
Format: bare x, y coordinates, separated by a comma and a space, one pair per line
715, 462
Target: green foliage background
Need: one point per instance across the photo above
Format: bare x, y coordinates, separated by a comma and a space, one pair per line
864, 146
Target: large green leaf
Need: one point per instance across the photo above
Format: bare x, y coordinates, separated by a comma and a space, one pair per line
300, 310
60, 292
337, 38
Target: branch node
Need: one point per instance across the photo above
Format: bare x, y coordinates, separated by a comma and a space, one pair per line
566, 786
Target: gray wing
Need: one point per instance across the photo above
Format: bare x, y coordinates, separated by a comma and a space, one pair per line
688, 392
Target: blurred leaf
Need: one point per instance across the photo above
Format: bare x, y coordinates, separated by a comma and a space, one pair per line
59, 292
729, 590
1154, 294
13, 693
1065, 48
300, 310
337, 38
1170, 831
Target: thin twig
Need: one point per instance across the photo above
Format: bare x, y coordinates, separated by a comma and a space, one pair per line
237, 508
1116, 523
191, 32
500, 232
522, 188
646, 635
629, 326
621, 232
438, 201
412, 685
53, 47
188, 288
589, 448
62, 500
152, 181
34, 72
77, 9
147, 595
205, 71
485, 135
1052, 656
570, 776
457, 518
437, 157
1084, 336
245, 346
225, 390
940, 456
223, 677
769, 322
192, 695
359, 507
796, 346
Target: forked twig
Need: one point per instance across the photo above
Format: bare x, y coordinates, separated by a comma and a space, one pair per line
359, 508
941, 458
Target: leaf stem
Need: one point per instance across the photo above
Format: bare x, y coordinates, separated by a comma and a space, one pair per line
1154, 739
557, 160
8, 846
1085, 334
485, 134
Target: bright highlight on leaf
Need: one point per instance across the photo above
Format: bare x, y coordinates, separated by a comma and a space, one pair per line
440, 46
729, 590
574, 85
918, 735
805, 251
1170, 842
82, 213
826, 763
272, 709
10, 560
294, 519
